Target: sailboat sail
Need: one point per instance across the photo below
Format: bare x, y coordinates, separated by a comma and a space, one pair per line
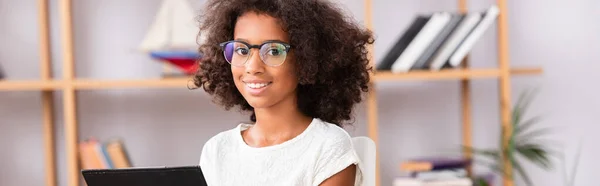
174, 28
172, 37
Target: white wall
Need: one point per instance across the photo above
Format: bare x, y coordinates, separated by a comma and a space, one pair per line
20, 141
416, 119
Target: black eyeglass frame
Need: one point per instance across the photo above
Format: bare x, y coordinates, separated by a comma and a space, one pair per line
286, 45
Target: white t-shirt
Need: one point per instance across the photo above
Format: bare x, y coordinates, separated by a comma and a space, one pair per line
320, 151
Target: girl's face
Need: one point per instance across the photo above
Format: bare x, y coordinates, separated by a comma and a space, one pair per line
262, 83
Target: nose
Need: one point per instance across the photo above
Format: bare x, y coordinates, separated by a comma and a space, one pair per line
254, 65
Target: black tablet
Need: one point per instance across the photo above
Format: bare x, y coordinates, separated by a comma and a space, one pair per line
145, 176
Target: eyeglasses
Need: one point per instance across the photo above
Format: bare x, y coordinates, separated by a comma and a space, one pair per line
272, 53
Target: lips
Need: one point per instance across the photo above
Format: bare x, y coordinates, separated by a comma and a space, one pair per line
256, 87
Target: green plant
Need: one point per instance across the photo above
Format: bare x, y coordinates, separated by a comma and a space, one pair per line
479, 182
525, 141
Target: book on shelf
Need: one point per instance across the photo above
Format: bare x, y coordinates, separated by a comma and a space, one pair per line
442, 36
440, 171
477, 180
434, 163
434, 171
421, 41
94, 154
453, 40
417, 182
402, 42
437, 40
486, 21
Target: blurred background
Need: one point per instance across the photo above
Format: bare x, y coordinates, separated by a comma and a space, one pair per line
416, 118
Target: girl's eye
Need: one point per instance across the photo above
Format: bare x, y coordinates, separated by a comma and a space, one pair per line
241, 51
274, 52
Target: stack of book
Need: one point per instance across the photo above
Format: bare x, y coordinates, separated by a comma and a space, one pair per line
94, 154
437, 40
435, 171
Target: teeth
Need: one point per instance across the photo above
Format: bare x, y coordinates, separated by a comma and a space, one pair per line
257, 85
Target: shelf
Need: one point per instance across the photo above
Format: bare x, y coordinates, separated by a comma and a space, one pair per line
448, 74
527, 71
29, 85
175, 82
82, 84
183, 82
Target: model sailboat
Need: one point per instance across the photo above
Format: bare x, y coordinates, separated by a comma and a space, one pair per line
172, 37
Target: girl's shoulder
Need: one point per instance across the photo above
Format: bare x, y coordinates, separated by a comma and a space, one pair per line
331, 133
336, 152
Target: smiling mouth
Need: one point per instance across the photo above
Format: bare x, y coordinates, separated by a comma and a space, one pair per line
257, 85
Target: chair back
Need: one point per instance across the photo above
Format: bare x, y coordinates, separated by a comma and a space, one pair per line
365, 148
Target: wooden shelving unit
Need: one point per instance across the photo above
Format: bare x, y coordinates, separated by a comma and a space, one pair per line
503, 73
82, 84
450, 74
31, 85
69, 85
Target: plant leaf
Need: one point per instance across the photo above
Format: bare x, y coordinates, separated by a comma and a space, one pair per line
518, 112
481, 182
525, 100
516, 116
498, 169
526, 125
536, 154
494, 154
533, 134
520, 100
518, 108
552, 146
517, 166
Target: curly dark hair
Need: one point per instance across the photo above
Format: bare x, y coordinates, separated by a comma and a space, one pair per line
334, 66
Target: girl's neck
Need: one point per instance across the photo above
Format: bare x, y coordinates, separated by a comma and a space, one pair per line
278, 123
